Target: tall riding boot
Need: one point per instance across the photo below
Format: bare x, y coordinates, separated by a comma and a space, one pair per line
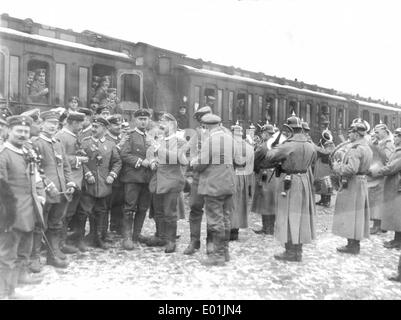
105, 227
127, 229
265, 219
376, 226
234, 234
64, 247
139, 219
290, 253
209, 242
395, 243
80, 222
352, 247
99, 222
34, 264
157, 240
217, 258
171, 232
227, 245
195, 238
53, 258
90, 237
270, 224
299, 252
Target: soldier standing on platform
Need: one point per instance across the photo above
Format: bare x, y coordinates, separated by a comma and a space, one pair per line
351, 212
100, 171
68, 137
166, 160
60, 188
135, 176
87, 123
196, 201
391, 215
382, 147
22, 198
215, 165
295, 217
265, 184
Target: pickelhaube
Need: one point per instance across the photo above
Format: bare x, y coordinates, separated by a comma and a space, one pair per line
293, 122
305, 125
382, 126
359, 125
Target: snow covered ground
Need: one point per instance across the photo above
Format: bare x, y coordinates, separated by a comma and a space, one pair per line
252, 273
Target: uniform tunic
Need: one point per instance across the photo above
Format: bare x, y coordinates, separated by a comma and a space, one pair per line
352, 213
322, 166
295, 218
391, 214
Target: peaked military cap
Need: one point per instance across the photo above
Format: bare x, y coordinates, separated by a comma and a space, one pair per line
73, 98
211, 118
76, 116
101, 121
305, 126
141, 113
115, 119
202, 111
19, 121
167, 117
102, 108
33, 113
85, 111
50, 115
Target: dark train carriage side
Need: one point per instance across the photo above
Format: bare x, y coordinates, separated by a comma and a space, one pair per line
44, 72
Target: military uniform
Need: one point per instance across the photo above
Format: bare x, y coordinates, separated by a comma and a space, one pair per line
22, 185
135, 178
104, 161
351, 212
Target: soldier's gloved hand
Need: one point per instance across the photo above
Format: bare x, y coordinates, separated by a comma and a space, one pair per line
145, 163
91, 180
109, 180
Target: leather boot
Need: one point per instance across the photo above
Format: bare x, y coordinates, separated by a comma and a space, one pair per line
192, 247
194, 228
105, 227
234, 234
99, 223
270, 224
64, 247
80, 223
56, 234
352, 247
26, 278
290, 253
127, 227
52, 258
209, 242
90, 237
156, 240
264, 229
171, 234
227, 245
34, 264
217, 258
395, 243
376, 227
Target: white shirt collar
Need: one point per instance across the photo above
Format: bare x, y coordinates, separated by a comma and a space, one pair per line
140, 132
10, 146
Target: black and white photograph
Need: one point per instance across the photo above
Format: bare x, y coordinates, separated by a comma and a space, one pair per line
213, 151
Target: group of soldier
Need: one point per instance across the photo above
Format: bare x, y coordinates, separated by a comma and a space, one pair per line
59, 170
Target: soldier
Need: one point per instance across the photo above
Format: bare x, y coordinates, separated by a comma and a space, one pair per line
196, 201
295, 217
21, 204
382, 147
391, 217
68, 137
103, 111
135, 176
215, 165
265, 184
322, 170
351, 217
243, 185
166, 160
59, 186
100, 171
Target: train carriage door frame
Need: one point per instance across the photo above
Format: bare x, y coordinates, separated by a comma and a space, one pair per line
5, 73
138, 73
209, 96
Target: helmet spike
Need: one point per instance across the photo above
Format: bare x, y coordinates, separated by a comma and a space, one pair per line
293, 113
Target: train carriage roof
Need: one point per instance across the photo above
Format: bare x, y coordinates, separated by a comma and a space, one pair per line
64, 43
375, 105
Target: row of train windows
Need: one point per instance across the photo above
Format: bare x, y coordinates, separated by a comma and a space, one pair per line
38, 79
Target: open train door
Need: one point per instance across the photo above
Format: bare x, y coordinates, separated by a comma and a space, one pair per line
130, 91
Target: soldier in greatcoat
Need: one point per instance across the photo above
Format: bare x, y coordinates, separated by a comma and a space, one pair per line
21, 205
135, 175
351, 212
69, 138
167, 159
391, 214
59, 186
101, 170
265, 184
382, 146
215, 164
295, 216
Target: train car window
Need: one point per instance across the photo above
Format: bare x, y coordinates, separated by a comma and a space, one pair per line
376, 118
308, 112
220, 102
260, 108
268, 112
14, 78
385, 120
240, 109
102, 80
2, 75
324, 116
340, 119
250, 105
197, 98
365, 115
37, 83
333, 120
210, 98
60, 83
230, 105
275, 110
292, 108
130, 88
83, 85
